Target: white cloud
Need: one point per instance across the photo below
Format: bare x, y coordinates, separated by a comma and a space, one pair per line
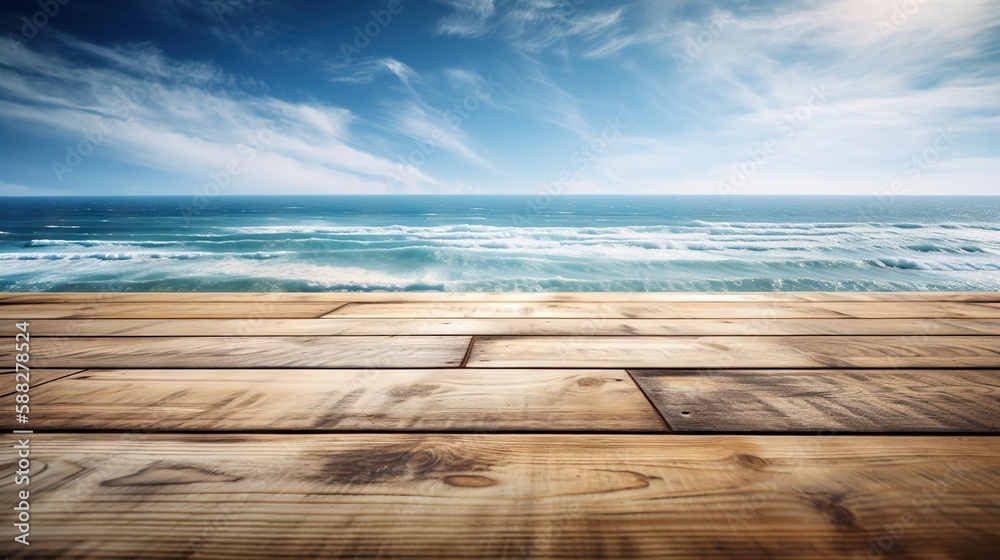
169, 115
471, 18
369, 69
888, 95
541, 26
433, 131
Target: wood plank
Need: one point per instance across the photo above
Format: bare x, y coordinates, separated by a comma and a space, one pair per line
738, 352
245, 352
248, 311
211, 297
249, 400
36, 377
679, 310
503, 327
188, 297
119, 496
825, 400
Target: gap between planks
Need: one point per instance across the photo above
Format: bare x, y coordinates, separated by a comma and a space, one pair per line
506, 327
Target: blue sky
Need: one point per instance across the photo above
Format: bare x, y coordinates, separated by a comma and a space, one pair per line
863, 97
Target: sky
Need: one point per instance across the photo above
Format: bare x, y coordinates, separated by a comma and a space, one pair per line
728, 97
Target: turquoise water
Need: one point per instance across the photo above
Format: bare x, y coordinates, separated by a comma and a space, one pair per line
493, 243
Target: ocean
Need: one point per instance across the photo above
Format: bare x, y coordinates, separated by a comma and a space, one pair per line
500, 243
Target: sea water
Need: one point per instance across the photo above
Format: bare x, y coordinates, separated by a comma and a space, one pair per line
500, 243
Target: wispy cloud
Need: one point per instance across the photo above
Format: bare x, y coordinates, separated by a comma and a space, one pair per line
177, 119
889, 93
367, 70
541, 26
471, 18
423, 125
892, 77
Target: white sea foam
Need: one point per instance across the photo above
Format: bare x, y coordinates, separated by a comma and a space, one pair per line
96, 243
708, 255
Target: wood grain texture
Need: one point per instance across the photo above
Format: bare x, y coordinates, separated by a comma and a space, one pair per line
230, 365
36, 377
254, 297
825, 400
738, 352
249, 400
245, 352
677, 310
246, 311
510, 496
504, 327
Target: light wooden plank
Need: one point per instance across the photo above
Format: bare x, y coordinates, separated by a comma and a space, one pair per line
679, 310
825, 400
184, 297
738, 352
248, 311
111, 496
210, 297
249, 400
245, 352
36, 377
503, 327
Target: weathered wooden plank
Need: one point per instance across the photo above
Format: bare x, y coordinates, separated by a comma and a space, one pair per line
124, 496
825, 400
678, 310
210, 297
503, 327
738, 352
36, 377
246, 352
248, 311
249, 400
192, 297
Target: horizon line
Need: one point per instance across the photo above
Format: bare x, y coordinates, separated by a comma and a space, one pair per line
419, 195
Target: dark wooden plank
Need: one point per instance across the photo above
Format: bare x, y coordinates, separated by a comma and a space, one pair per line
676, 310
124, 496
738, 352
504, 327
825, 400
291, 399
245, 352
249, 311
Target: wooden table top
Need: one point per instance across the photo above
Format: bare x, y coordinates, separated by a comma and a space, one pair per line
573, 425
